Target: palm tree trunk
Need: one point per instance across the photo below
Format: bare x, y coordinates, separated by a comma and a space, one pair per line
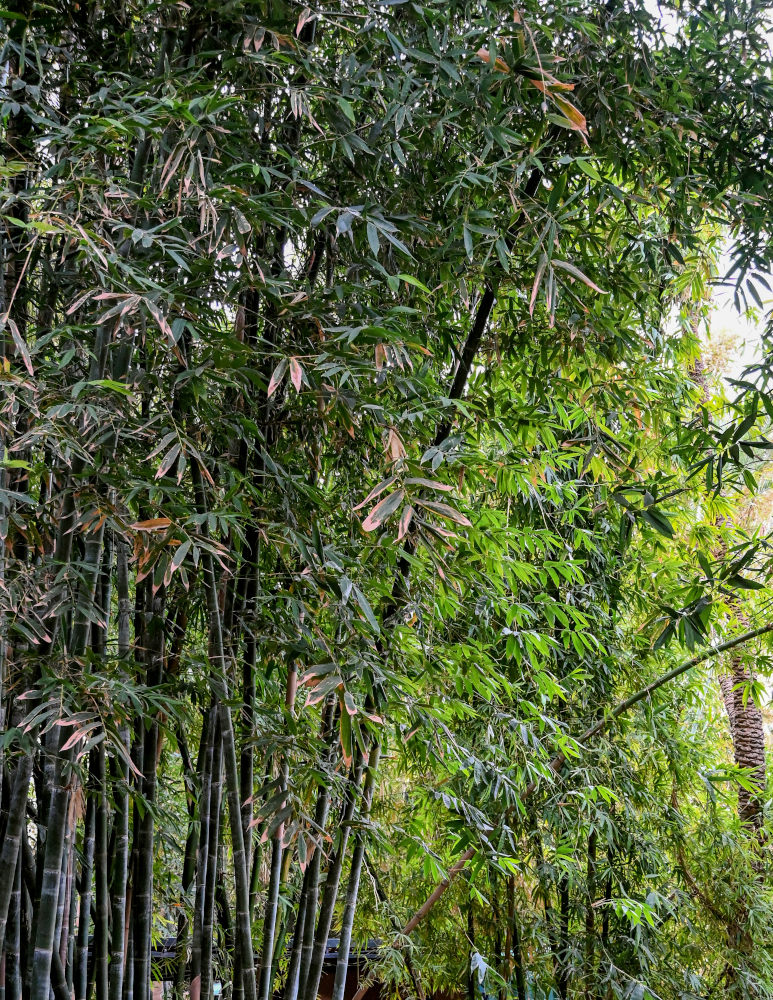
748, 736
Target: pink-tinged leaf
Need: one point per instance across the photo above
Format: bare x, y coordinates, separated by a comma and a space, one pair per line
445, 511
394, 446
161, 320
305, 15
276, 378
543, 263
79, 302
21, 345
296, 374
577, 273
405, 520
431, 484
383, 510
383, 485
349, 704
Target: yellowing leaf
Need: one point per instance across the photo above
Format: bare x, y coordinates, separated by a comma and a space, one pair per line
571, 113
499, 64
153, 524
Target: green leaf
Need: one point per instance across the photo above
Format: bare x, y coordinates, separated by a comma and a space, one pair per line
347, 109
366, 609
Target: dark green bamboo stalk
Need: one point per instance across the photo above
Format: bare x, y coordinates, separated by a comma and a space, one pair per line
142, 895
52, 870
353, 888
275, 880
62, 904
243, 927
192, 840
80, 978
101, 944
71, 936
306, 933
201, 866
269, 918
220, 684
12, 839
12, 950
213, 852
120, 775
332, 882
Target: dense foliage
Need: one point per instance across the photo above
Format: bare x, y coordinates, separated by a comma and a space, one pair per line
380, 558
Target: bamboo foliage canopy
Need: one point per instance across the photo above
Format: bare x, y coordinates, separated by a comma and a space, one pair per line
367, 524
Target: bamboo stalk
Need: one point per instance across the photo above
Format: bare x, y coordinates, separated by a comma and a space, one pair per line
315, 864
120, 775
80, 978
332, 882
12, 949
12, 840
49, 893
272, 901
355, 871
213, 852
191, 843
201, 867
142, 895
101, 887
220, 684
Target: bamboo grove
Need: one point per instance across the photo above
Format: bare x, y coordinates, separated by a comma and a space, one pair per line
381, 559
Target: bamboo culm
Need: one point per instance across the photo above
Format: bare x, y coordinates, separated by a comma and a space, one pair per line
213, 852
192, 841
101, 874
332, 882
81, 977
355, 871
241, 873
9, 856
201, 867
